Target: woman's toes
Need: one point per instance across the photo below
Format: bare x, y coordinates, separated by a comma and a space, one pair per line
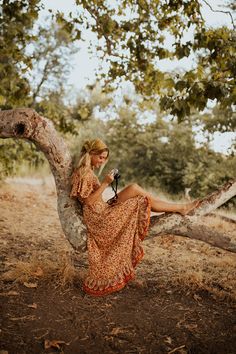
189, 207
192, 206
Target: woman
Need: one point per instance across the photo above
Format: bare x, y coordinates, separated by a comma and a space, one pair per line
116, 231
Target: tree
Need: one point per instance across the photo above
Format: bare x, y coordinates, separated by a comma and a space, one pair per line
27, 124
51, 61
133, 44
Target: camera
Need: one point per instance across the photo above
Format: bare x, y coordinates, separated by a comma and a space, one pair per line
116, 174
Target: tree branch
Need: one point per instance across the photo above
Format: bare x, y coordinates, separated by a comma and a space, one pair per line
43, 79
192, 228
221, 11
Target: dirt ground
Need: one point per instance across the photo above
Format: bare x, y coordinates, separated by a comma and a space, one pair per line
182, 301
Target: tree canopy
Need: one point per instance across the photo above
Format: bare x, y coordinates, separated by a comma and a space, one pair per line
132, 38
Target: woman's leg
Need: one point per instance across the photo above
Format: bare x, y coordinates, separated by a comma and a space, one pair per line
157, 205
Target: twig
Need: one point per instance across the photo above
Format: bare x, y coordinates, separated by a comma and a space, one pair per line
43, 335
29, 317
221, 11
175, 349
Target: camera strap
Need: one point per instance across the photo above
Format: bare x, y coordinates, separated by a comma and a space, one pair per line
114, 188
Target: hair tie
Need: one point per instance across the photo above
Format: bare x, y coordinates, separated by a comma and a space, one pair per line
87, 147
91, 145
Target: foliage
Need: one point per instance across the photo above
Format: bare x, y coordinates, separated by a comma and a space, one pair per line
218, 119
163, 155
132, 37
17, 19
158, 155
53, 108
13, 152
208, 170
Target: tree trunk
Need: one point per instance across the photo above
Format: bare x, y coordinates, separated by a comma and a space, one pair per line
27, 124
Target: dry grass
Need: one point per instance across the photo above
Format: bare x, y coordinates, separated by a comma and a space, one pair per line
61, 271
192, 264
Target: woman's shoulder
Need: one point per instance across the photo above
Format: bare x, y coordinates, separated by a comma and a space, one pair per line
85, 174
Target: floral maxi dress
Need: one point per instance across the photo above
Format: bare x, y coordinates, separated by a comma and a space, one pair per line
114, 236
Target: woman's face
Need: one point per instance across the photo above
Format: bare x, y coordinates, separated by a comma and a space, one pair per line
99, 159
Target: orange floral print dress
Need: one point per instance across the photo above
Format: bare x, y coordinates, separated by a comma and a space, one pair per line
114, 236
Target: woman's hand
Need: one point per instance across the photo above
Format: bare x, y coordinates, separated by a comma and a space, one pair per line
109, 178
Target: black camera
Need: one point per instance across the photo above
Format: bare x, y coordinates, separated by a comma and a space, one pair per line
116, 173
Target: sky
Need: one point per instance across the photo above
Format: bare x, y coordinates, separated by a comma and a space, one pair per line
84, 65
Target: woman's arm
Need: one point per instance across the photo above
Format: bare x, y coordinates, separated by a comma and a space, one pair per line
93, 197
97, 194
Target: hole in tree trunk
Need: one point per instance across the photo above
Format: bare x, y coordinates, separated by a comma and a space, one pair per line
20, 128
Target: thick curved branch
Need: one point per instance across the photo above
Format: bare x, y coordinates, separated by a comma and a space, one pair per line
223, 12
27, 124
190, 227
199, 231
216, 199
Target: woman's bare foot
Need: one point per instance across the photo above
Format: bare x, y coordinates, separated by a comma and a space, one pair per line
189, 207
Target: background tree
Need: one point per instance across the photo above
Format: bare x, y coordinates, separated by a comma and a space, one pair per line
132, 39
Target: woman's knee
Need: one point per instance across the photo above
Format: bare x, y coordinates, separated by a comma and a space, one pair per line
134, 187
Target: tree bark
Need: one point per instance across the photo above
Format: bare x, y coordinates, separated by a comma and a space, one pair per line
28, 124
190, 227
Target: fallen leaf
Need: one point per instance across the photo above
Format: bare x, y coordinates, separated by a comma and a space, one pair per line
168, 340
12, 293
30, 285
107, 305
117, 330
53, 343
33, 306
178, 349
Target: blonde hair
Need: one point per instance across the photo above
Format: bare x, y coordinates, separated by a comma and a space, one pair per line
90, 147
